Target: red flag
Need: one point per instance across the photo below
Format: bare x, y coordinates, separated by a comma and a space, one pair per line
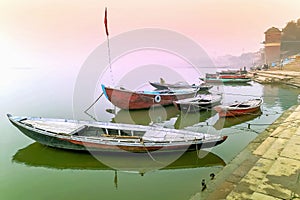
105, 22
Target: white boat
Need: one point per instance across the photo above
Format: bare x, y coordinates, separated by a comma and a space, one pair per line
111, 137
200, 102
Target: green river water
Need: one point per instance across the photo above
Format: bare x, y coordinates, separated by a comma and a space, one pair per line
29, 170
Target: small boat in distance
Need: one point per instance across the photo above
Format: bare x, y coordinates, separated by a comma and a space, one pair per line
111, 137
227, 76
179, 85
239, 108
200, 102
132, 100
214, 78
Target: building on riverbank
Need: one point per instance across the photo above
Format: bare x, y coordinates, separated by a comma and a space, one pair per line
272, 45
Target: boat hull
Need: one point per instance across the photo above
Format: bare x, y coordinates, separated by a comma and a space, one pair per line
196, 104
111, 144
160, 86
193, 108
129, 100
233, 113
227, 80
230, 111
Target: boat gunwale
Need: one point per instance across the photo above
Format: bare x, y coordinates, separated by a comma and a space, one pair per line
228, 107
119, 142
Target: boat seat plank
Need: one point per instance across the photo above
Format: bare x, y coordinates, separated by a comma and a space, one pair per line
55, 127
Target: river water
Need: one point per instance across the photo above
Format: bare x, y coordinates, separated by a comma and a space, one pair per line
29, 170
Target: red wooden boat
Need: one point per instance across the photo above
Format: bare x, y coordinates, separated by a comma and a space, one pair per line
239, 108
132, 100
231, 76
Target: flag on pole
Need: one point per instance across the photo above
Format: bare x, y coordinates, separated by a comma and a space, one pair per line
105, 22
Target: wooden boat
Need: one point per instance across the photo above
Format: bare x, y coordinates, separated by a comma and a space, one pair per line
200, 102
227, 80
227, 76
232, 76
111, 137
239, 108
180, 85
132, 100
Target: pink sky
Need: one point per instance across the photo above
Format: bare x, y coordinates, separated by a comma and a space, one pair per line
67, 31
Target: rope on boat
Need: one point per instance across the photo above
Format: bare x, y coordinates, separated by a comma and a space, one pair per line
109, 61
93, 103
150, 154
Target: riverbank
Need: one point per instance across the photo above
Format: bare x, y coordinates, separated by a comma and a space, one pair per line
288, 74
268, 168
291, 78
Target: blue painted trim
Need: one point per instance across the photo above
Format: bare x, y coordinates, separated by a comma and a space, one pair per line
104, 91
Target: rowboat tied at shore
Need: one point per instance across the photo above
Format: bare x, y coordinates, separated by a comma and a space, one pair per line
239, 108
111, 137
133, 100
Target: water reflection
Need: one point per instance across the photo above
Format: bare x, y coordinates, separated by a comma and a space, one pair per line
145, 117
226, 122
189, 119
37, 155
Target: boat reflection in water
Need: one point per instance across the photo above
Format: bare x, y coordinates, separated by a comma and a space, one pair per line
37, 155
155, 114
226, 122
189, 119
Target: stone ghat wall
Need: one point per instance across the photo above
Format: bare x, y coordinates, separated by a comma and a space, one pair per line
291, 78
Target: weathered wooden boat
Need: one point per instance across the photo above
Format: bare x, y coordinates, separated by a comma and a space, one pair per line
239, 108
232, 76
227, 76
227, 80
200, 102
132, 100
111, 137
180, 85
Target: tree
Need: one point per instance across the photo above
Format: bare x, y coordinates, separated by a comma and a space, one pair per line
290, 40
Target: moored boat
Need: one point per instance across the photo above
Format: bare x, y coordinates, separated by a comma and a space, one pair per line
179, 85
227, 79
111, 137
239, 108
228, 76
132, 100
200, 102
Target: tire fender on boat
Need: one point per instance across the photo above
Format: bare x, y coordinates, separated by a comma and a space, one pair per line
157, 98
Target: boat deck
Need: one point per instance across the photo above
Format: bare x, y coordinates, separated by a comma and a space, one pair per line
54, 127
94, 132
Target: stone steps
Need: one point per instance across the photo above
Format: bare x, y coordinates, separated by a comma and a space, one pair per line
279, 156
268, 168
285, 77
